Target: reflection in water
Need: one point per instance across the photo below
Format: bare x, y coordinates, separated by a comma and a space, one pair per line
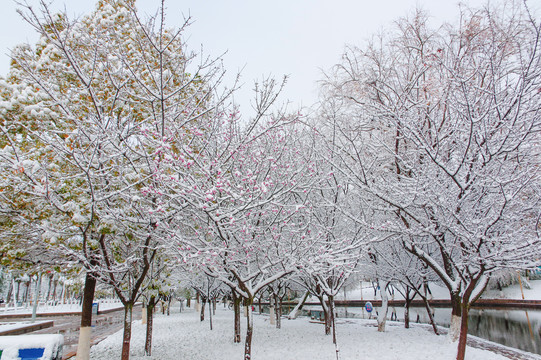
508, 328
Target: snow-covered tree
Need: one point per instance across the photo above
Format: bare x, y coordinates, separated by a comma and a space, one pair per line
447, 121
337, 240
247, 187
92, 105
391, 264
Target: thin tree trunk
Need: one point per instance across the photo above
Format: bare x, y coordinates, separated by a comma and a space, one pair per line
49, 286
210, 313
332, 310
63, 293
144, 311
85, 332
236, 307
150, 324
382, 317
10, 291
277, 312
332, 317
272, 313
295, 311
126, 338
26, 291
327, 316
463, 338
202, 313
55, 284
407, 312
249, 330
456, 314
17, 292
431, 316
36, 300
14, 295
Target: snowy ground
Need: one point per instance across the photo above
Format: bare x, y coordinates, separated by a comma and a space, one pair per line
183, 336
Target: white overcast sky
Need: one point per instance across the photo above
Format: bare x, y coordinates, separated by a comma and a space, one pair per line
298, 38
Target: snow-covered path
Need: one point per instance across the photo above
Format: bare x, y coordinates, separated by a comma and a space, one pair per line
183, 336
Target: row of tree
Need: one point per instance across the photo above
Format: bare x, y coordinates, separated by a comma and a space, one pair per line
123, 155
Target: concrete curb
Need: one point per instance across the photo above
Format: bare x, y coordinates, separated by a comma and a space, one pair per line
28, 328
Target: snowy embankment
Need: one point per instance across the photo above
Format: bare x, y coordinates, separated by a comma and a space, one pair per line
514, 291
74, 307
440, 292
183, 336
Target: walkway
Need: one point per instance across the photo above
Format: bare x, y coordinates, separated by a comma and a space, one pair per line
105, 323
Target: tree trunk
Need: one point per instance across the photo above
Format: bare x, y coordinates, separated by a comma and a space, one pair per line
328, 319
236, 307
456, 313
295, 311
144, 311
249, 330
10, 291
36, 299
55, 284
17, 292
49, 287
332, 311
63, 293
126, 338
150, 323
463, 338
211, 307
326, 315
26, 291
202, 313
278, 312
332, 316
407, 313
431, 316
24, 297
85, 332
382, 316
272, 313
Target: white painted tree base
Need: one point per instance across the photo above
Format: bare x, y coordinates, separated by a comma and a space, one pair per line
83, 348
144, 315
454, 329
272, 316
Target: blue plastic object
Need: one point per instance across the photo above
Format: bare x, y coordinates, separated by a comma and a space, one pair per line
31, 354
368, 306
